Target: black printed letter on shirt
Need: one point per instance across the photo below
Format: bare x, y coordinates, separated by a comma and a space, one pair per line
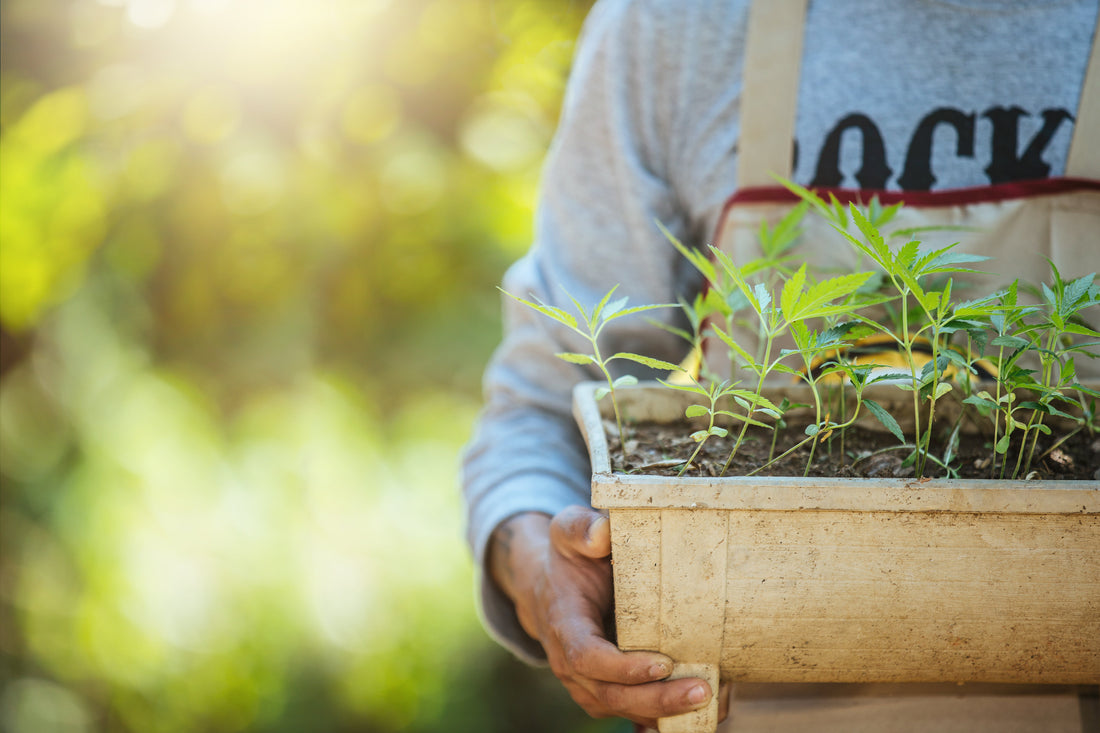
874, 171
1007, 164
918, 175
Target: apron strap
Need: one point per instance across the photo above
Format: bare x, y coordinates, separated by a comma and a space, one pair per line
769, 94
1084, 149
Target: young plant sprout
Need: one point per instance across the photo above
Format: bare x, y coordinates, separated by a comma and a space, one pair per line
594, 322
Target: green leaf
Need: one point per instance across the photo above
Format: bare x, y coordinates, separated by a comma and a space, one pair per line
760, 400
813, 303
601, 392
1002, 444
718, 432
762, 297
625, 380
580, 309
698, 259
980, 402
785, 369
734, 346
637, 309
700, 435
885, 418
1081, 330
613, 308
876, 245
1010, 342
696, 411
949, 261
603, 301
792, 289
1074, 292
576, 358
742, 418
941, 389
550, 311
647, 361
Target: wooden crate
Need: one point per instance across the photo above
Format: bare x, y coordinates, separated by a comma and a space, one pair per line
848, 580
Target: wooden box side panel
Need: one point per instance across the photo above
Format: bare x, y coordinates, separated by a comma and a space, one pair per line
910, 597
846, 596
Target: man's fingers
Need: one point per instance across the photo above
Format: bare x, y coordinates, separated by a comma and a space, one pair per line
653, 700
580, 531
594, 658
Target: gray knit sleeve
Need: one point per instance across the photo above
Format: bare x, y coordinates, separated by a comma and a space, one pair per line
603, 189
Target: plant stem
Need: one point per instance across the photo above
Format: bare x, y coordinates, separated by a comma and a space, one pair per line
753, 403
614, 397
817, 421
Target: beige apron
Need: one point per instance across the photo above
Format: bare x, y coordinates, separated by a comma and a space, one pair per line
1019, 225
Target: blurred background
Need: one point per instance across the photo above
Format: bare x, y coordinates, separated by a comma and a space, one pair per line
249, 250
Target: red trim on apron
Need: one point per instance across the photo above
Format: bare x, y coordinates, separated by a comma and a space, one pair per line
922, 199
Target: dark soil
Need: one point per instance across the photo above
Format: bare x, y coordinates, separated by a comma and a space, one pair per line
661, 449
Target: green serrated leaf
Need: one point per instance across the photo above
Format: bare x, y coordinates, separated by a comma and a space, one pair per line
980, 402
648, 361
611, 309
556, 314
733, 345
884, 417
1010, 342
792, 289
576, 358
637, 309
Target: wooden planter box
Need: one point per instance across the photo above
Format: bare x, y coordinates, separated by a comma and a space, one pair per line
847, 580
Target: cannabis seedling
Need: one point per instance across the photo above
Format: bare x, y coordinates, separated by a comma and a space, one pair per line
713, 393
594, 321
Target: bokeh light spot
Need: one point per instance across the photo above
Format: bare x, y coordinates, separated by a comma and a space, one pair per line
500, 135
31, 705
150, 14
414, 176
253, 178
211, 115
371, 113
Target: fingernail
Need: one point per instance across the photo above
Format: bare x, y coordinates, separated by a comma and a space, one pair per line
594, 524
658, 671
697, 695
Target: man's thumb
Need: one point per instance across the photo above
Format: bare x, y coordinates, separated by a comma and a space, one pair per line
582, 531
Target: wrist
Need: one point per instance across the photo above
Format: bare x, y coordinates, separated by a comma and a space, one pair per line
516, 547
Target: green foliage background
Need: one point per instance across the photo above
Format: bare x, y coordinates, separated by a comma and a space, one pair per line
246, 294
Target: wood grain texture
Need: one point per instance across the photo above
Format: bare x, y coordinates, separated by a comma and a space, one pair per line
636, 547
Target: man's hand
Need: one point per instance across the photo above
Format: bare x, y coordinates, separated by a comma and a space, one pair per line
557, 571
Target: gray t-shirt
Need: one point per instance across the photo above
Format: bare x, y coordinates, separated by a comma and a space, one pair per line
909, 95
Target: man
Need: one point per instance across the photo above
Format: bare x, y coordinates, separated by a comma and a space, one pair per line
919, 98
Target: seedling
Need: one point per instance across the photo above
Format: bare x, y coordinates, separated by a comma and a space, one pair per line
594, 322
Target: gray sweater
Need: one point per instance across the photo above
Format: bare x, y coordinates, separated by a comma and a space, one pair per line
900, 95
